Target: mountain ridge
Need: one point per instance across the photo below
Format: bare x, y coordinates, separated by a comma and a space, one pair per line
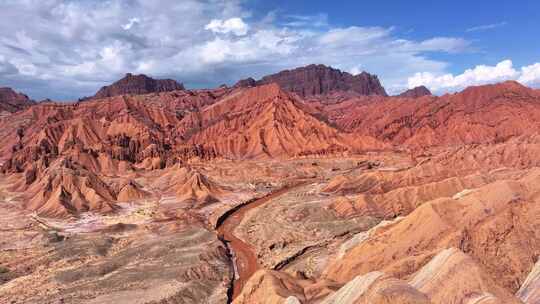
137, 84
416, 92
318, 79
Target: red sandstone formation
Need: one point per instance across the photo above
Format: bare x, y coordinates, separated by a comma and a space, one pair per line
416, 92
267, 122
65, 189
196, 187
138, 84
105, 134
484, 114
246, 83
319, 80
11, 101
409, 199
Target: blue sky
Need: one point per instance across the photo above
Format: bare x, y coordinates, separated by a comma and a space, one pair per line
498, 29
65, 49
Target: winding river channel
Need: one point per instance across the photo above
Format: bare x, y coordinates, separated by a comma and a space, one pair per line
244, 255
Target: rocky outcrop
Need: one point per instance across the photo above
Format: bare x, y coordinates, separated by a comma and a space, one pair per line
131, 191
197, 188
64, 190
493, 221
376, 288
267, 287
416, 92
138, 84
454, 277
529, 292
320, 80
270, 287
11, 101
379, 199
246, 83
448, 215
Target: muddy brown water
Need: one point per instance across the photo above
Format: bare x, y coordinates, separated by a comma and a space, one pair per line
245, 256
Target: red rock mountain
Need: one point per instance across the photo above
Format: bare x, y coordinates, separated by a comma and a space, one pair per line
159, 130
416, 92
11, 101
482, 114
333, 198
267, 122
63, 150
121, 128
318, 80
138, 84
246, 83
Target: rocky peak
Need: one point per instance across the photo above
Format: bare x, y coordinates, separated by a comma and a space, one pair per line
416, 92
138, 84
11, 101
320, 80
246, 83
507, 89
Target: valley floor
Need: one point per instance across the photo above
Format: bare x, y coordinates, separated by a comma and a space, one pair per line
444, 227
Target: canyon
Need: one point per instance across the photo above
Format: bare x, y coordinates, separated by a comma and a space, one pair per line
311, 185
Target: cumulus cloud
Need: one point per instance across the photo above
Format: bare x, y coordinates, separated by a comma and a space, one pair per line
481, 74
69, 49
232, 25
530, 75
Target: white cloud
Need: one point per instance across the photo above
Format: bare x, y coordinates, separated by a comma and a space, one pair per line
353, 35
530, 75
71, 48
481, 74
232, 25
355, 70
446, 44
486, 27
262, 44
131, 23
303, 21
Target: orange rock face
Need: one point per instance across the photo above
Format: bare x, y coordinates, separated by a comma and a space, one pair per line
471, 222
267, 122
486, 114
63, 190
